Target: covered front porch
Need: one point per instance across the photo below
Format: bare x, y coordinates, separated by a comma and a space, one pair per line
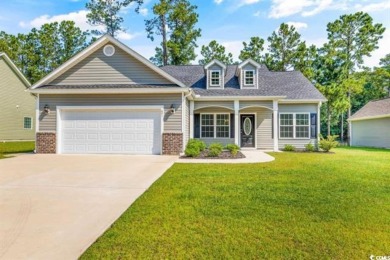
248, 123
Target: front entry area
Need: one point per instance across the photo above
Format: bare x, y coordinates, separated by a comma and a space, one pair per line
247, 130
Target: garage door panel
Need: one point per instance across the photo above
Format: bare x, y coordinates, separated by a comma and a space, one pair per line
133, 132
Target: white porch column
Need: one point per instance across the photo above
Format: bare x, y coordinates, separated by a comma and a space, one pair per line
275, 126
236, 122
191, 119
318, 121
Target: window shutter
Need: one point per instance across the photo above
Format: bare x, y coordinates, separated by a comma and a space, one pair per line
313, 125
232, 126
196, 125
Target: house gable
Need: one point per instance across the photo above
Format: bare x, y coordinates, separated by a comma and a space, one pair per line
215, 74
93, 66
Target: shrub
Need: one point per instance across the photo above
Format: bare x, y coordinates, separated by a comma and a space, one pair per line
310, 147
233, 149
328, 143
289, 148
215, 149
194, 147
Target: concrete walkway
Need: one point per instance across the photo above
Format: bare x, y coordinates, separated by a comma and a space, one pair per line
56, 206
251, 156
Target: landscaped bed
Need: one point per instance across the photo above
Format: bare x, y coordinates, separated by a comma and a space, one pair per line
302, 205
223, 155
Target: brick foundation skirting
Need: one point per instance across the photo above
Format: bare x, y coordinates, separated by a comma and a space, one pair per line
45, 143
172, 143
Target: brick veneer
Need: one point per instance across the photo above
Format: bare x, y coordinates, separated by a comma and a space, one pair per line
172, 143
45, 143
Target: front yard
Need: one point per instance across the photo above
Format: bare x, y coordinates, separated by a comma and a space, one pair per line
16, 147
299, 206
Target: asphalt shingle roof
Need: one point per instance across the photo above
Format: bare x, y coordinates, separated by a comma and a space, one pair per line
291, 84
108, 86
373, 108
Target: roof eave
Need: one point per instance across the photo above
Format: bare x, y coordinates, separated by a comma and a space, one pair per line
109, 91
368, 117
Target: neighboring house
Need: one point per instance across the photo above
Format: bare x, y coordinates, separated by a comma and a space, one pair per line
110, 99
17, 106
370, 126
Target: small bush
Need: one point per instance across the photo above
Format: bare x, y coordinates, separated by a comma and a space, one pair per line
233, 149
194, 147
215, 149
328, 143
289, 148
310, 147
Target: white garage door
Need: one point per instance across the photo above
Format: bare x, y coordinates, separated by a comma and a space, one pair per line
110, 131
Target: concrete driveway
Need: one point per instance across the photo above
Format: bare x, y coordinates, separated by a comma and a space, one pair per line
56, 206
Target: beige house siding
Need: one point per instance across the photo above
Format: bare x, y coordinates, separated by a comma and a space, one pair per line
121, 68
15, 104
371, 133
253, 104
296, 108
264, 138
172, 122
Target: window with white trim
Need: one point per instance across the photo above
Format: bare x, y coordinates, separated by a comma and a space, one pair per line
215, 78
249, 77
294, 125
215, 125
27, 123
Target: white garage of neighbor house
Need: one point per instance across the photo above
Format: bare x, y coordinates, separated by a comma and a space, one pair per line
109, 99
370, 125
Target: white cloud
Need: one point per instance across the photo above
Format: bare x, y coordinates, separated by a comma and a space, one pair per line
284, 8
379, 53
80, 19
247, 2
218, 1
143, 11
298, 25
373, 7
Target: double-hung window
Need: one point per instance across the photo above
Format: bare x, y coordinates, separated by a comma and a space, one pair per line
294, 125
215, 79
249, 77
215, 125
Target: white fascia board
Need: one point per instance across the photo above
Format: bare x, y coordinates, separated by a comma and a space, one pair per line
93, 47
218, 98
15, 69
108, 91
215, 62
300, 101
369, 117
254, 63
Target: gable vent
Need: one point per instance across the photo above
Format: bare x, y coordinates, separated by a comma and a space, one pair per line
109, 50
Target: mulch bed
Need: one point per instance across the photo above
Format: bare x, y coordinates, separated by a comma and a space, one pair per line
223, 155
302, 151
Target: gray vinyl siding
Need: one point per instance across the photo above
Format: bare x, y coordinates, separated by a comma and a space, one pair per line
371, 133
242, 77
214, 104
297, 108
15, 104
222, 74
250, 104
120, 68
263, 120
172, 122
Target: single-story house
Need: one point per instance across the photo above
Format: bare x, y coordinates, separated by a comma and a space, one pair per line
370, 126
17, 106
110, 99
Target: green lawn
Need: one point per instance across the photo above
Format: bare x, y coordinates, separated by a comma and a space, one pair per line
16, 147
299, 206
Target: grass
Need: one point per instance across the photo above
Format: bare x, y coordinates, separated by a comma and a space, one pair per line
302, 205
16, 147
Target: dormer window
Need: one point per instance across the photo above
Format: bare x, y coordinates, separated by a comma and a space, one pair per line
249, 77
215, 78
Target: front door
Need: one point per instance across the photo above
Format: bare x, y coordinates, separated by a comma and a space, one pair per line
247, 131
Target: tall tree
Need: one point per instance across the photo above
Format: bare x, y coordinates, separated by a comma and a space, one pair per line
175, 22
253, 50
305, 60
39, 52
285, 47
215, 51
105, 13
354, 37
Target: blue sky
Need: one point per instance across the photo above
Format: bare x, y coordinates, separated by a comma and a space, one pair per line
228, 21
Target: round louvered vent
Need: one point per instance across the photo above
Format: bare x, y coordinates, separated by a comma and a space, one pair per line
109, 50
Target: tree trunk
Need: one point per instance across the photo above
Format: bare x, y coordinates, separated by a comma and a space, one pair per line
342, 128
328, 120
349, 116
164, 40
